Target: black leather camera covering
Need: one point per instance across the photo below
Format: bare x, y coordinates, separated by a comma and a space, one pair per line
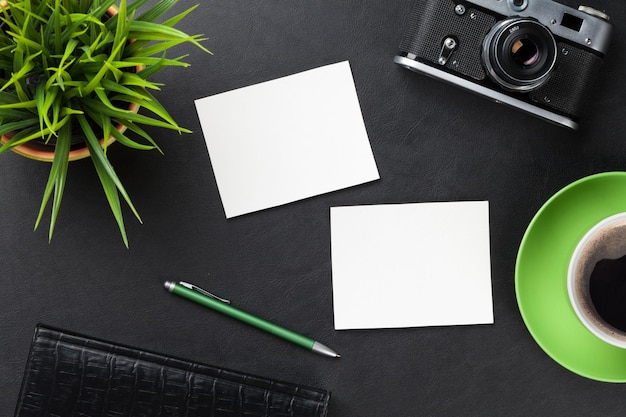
572, 80
432, 21
70, 374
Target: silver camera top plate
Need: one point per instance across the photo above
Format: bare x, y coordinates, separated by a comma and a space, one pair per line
594, 32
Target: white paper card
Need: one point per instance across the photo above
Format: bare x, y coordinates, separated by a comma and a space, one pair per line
287, 139
410, 265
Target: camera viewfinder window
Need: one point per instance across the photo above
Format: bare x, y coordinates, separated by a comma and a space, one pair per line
572, 22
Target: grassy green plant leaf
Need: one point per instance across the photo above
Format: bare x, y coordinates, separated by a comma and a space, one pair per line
110, 182
124, 140
56, 178
140, 132
174, 20
156, 11
30, 104
129, 115
19, 138
19, 125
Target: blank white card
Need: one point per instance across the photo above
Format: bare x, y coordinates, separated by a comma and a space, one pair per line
287, 139
410, 265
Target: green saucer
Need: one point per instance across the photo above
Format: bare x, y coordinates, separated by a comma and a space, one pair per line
541, 275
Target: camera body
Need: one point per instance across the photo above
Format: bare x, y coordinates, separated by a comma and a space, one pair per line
539, 56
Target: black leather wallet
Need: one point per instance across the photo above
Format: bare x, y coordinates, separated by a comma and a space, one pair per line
72, 375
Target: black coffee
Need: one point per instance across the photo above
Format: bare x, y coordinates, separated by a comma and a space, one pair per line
607, 287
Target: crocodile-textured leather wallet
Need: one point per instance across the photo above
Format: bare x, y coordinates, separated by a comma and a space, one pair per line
72, 375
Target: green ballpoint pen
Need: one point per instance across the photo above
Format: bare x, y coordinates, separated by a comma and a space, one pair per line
206, 299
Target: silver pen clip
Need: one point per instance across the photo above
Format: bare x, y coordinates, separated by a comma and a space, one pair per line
203, 292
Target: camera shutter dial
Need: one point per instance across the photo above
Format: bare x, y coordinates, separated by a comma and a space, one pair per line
594, 12
518, 5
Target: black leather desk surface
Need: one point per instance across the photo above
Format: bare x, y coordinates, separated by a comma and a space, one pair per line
431, 142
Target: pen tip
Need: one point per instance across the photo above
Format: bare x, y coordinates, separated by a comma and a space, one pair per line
169, 285
324, 350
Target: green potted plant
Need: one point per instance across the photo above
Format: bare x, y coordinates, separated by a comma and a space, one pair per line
73, 75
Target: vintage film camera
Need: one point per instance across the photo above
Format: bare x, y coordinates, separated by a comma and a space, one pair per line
536, 55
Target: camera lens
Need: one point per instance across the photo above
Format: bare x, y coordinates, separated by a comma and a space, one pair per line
519, 54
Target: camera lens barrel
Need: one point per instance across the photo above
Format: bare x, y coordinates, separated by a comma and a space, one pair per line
519, 54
